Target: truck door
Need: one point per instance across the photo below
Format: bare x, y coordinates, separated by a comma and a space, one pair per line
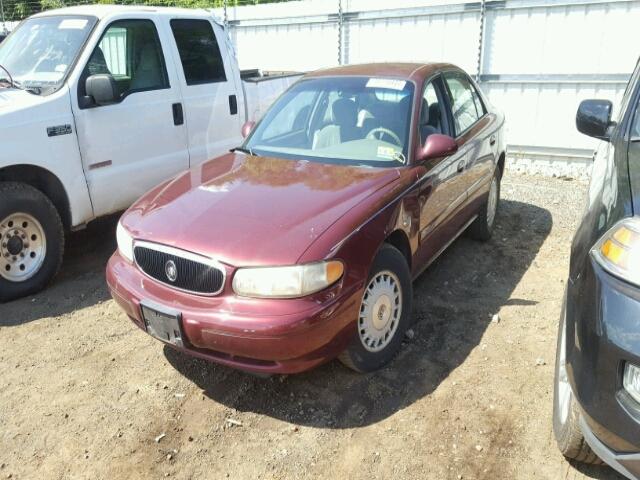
132, 145
208, 90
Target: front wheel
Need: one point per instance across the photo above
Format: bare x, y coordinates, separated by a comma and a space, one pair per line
384, 315
31, 240
566, 412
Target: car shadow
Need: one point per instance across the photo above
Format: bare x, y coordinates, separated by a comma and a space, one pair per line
454, 301
81, 281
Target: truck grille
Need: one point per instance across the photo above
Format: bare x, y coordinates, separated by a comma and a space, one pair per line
180, 269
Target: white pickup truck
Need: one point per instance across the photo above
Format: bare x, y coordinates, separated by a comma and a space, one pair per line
97, 105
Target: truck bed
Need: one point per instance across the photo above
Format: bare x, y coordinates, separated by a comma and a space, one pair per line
262, 88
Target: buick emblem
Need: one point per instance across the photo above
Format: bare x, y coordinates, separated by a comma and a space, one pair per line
171, 270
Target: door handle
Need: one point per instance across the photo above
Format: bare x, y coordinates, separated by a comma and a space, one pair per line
492, 140
461, 166
178, 114
233, 104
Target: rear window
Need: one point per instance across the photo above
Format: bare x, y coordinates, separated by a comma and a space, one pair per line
199, 52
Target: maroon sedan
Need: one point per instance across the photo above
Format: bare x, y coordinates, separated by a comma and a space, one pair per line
301, 246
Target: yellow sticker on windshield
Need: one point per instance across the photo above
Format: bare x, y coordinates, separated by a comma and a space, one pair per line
386, 152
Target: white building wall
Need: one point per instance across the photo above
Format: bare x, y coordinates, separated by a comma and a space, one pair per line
540, 57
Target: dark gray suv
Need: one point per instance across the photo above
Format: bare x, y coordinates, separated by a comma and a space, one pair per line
597, 382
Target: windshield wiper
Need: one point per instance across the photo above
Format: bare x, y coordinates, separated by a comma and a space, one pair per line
14, 84
248, 151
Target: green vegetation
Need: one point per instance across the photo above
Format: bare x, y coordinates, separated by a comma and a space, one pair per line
19, 9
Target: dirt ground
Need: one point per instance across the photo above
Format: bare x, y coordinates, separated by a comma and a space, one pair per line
85, 394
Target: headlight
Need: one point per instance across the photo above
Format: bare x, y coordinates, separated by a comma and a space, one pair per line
286, 282
618, 251
125, 242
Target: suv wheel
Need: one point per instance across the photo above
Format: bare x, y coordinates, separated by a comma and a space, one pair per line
566, 412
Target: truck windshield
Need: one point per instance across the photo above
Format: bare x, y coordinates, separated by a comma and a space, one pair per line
346, 120
39, 53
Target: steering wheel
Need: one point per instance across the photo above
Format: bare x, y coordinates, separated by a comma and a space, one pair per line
384, 131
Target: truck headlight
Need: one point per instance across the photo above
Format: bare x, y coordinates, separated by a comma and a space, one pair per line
125, 242
631, 381
286, 282
618, 251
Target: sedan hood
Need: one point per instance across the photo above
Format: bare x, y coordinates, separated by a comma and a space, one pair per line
246, 211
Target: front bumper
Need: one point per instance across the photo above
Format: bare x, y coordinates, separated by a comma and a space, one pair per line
603, 334
628, 464
258, 335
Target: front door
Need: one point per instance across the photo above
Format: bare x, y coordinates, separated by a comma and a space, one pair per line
132, 145
209, 91
442, 190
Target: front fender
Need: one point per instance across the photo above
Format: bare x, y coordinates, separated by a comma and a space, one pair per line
359, 234
41, 133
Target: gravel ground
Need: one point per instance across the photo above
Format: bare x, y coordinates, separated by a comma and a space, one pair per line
85, 394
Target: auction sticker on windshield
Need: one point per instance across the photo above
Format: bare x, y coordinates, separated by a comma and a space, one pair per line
388, 83
73, 24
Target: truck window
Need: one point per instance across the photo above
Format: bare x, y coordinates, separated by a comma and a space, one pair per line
199, 52
130, 51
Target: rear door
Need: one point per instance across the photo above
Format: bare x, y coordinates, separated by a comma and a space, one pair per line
473, 132
208, 88
130, 146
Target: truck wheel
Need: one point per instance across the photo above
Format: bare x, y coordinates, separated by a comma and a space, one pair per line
31, 240
566, 412
482, 227
385, 312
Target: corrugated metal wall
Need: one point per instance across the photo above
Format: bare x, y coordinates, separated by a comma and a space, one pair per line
539, 57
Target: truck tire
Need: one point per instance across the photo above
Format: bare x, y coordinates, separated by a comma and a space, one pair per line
482, 227
31, 240
385, 313
566, 412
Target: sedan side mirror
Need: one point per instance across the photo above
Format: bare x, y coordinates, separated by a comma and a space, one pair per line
438, 145
594, 118
102, 89
247, 127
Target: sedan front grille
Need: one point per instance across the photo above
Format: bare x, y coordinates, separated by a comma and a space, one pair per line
179, 269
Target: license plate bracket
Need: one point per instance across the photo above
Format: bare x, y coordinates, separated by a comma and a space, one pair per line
164, 325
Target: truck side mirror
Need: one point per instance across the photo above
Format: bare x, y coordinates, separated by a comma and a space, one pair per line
437, 145
594, 118
102, 89
247, 127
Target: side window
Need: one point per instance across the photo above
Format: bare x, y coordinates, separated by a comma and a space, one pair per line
293, 117
463, 102
430, 113
130, 51
199, 52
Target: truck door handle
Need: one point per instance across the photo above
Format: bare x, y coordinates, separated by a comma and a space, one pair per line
233, 105
492, 140
178, 114
461, 166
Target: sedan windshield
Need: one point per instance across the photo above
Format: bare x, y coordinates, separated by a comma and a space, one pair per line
40, 52
347, 120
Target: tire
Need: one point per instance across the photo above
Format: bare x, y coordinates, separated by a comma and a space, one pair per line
566, 411
390, 294
31, 240
482, 227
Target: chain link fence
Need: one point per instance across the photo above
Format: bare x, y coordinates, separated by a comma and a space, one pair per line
16, 10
